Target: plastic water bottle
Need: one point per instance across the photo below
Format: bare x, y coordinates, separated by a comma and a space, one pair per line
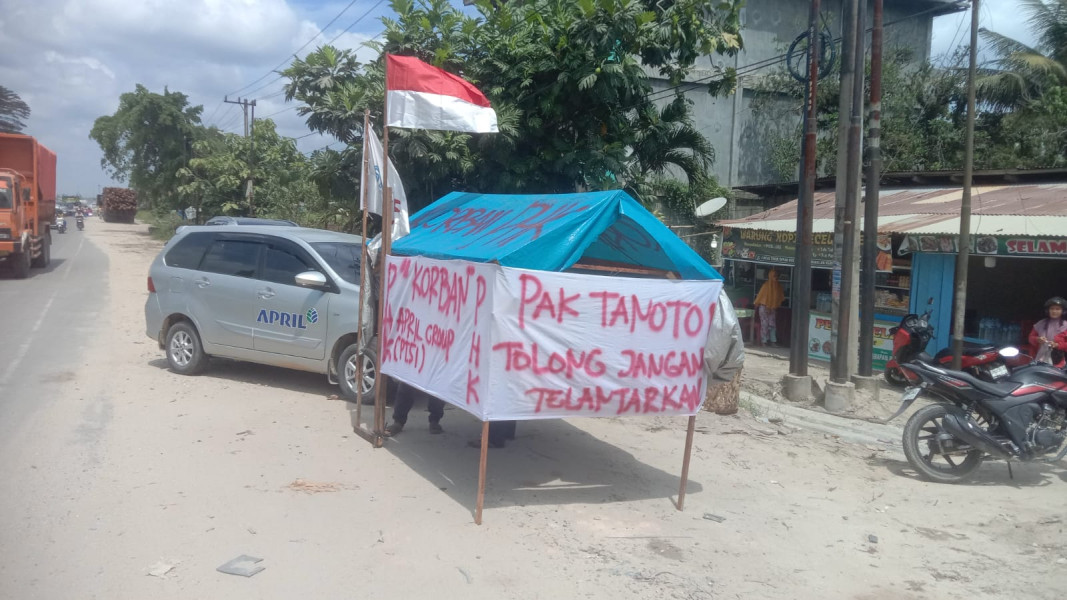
983, 329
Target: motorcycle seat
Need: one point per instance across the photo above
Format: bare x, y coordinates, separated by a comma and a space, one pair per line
969, 349
997, 389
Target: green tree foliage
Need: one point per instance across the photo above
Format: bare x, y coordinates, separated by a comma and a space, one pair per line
568, 81
147, 140
1021, 73
215, 180
13, 112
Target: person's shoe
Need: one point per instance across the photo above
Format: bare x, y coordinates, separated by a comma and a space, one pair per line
436, 428
478, 444
393, 429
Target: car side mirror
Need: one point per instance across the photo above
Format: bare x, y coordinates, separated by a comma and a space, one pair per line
311, 279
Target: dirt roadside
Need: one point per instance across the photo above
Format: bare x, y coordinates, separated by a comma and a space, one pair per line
143, 469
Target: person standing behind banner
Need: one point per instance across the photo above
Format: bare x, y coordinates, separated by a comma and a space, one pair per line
403, 399
1049, 335
768, 300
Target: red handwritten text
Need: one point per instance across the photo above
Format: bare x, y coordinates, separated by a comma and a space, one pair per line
671, 364
518, 358
531, 293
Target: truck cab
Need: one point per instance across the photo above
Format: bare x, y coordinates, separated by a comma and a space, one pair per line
27, 203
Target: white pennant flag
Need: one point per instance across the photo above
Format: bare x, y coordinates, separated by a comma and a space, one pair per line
372, 195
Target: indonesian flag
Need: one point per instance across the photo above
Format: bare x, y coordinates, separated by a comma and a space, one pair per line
421, 96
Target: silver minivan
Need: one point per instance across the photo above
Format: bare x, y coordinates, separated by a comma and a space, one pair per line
283, 296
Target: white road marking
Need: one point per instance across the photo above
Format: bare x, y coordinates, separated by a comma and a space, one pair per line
24, 348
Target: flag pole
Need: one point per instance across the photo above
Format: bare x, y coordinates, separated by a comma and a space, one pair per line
387, 245
362, 272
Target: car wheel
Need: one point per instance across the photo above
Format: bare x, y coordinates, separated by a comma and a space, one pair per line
348, 370
185, 353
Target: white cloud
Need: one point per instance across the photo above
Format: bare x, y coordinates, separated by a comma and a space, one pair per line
89, 52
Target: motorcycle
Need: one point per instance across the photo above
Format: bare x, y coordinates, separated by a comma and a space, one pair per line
915, 332
61, 225
1021, 417
81, 222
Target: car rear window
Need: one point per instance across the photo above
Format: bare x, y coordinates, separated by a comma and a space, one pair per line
232, 257
186, 254
342, 258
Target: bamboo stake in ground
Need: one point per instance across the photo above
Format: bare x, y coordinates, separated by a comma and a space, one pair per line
685, 462
481, 473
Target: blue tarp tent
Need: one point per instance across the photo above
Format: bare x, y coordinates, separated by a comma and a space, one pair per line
550, 233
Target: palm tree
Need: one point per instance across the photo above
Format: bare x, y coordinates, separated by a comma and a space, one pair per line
665, 143
13, 111
1021, 72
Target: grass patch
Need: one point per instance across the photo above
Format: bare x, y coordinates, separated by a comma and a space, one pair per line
161, 226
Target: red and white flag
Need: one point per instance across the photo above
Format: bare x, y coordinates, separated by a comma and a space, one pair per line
421, 96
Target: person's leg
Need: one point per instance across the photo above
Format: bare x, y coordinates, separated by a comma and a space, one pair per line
436, 406
764, 324
772, 326
403, 399
500, 432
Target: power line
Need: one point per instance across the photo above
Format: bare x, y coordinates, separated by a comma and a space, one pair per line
286, 60
280, 77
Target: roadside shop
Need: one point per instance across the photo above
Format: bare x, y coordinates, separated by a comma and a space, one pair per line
1018, 249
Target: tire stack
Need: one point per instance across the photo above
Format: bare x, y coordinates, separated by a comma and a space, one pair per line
119, 205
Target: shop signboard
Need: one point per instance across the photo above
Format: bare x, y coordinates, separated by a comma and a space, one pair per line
779, 247
775, 247
819, 344
988, 245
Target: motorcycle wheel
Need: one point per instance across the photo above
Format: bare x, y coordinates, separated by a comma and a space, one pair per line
923, 436
894, 377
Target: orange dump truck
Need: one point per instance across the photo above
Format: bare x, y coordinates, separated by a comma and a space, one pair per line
27, 202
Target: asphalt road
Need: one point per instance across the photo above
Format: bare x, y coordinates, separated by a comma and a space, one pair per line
45, 324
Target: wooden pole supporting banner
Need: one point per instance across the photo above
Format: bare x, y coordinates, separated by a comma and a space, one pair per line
685, 461
381, 382
362, 273
481, 473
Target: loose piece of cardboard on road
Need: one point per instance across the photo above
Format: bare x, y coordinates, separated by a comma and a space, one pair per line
244, 565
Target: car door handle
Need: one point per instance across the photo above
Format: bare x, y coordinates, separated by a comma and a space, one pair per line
202, 282
266, 293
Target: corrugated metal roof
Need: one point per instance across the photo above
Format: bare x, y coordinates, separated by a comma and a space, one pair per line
1031, 210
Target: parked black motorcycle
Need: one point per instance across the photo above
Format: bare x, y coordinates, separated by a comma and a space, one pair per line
81, 222
1020, 417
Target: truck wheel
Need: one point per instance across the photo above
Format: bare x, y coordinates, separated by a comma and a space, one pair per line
46, 253
21, 264
185, 353
347, 366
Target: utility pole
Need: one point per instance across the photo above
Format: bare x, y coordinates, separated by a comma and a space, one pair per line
840, 311
249, 133
964, 255
870, 208
839, 365
801, 300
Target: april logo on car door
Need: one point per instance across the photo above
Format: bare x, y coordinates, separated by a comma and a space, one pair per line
285, 319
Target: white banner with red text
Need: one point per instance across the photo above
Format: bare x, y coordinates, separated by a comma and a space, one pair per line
505, 343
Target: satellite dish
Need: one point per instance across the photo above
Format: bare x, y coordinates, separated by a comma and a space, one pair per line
710, 207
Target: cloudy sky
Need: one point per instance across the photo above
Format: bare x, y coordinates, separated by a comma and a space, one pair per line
79, 55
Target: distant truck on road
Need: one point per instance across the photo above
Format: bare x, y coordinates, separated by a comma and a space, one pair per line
27, 202
119, 205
